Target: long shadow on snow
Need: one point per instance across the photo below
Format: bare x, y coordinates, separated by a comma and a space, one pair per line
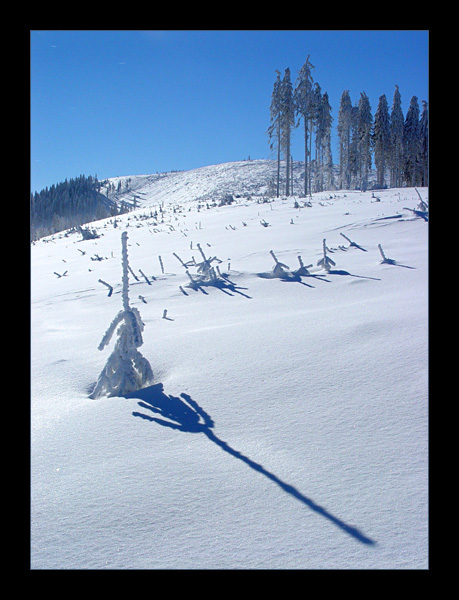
291, 277
341, 272
185, 414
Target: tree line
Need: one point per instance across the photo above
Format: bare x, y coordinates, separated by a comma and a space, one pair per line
397, 144
69, 204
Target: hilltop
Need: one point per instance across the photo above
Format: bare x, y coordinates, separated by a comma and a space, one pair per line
204, 184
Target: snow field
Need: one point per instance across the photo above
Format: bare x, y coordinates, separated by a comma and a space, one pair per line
320, 385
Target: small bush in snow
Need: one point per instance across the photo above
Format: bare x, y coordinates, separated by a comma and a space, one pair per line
88, 234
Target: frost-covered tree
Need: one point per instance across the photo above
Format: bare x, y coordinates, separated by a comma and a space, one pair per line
327, 159
354, 149
411, 143
305, 107
396, 140
287, 123
126, 369
324, 158
381, 140
274, 130
345, 115
424, 140
364, 124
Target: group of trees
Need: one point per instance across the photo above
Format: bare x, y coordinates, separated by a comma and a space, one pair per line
398, 145
69, 204
290, 106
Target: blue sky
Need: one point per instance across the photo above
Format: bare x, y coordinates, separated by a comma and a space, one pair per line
132, 102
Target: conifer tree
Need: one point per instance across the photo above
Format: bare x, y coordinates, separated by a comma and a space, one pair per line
305, 108
274, 130
344, 134
326, 121
424, 139
411, 143
287, 123
314, 128
365, 121
323, 144
396, 140
381, 141
354, 148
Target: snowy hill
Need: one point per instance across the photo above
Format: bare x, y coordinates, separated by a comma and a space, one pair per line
287, 424
206, 184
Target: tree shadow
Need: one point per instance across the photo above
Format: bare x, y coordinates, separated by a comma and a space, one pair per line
354, 245
390, 261
341, 272
293, 277
185, 414
223, 284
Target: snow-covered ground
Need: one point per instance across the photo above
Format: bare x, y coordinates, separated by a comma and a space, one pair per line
287, 427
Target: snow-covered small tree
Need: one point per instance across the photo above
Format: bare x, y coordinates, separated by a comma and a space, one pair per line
280, 269
126, 369
326, 262
302, 270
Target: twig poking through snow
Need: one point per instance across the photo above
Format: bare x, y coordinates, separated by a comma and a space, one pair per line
109, 287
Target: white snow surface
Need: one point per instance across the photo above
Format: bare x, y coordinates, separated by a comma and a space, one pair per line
287, 426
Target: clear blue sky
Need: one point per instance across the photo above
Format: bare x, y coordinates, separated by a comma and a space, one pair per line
128, 102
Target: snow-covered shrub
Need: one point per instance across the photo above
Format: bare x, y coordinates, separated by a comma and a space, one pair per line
126, 369
385, 260
206, 275
326, 262
88, 234
226, 200
280, 269
302, 270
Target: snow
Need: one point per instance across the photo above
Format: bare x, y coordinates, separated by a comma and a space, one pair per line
287, 425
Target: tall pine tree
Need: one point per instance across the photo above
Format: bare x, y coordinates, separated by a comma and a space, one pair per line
344, 133
381, 141
323, 145
396, 140
411, 143
274, 130
326, 143
424, 140
365, 121
305, 106
287, 123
